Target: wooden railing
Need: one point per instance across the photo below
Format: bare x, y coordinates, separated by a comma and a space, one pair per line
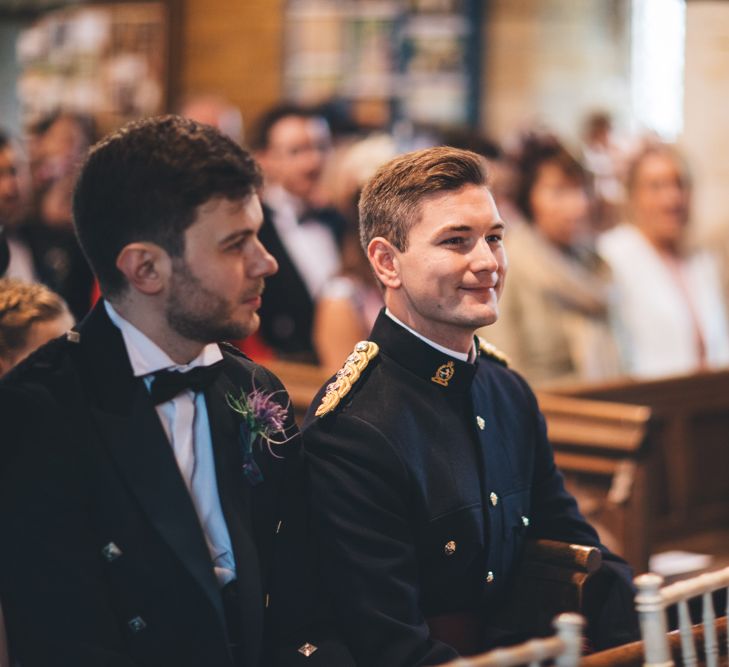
564, 648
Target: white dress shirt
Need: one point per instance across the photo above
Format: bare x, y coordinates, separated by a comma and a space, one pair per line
185, 421
310, 246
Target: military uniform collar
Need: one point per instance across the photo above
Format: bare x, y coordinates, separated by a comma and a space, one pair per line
463, 356
438, 368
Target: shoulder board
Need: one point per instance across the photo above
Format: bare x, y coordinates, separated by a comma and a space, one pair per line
492, 352
364, 352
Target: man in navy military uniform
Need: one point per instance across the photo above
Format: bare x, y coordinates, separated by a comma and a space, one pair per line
429, 460
144, 521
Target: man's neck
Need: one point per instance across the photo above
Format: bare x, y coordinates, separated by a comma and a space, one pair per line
151, 324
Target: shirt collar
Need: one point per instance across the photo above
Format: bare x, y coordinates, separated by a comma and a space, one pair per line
277, 197
462, 356
147, 357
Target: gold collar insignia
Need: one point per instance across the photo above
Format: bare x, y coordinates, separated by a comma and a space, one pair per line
444, 374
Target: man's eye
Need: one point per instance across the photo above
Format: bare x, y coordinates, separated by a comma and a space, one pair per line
237, 246
454, 241
494, 238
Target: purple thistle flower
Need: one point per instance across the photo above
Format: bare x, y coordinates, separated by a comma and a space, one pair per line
268, 415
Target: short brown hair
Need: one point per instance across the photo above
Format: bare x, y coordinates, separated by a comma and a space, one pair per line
391, 200
22, 305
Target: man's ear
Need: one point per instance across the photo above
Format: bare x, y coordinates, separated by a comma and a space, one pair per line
146, 266
262, 156
383, 257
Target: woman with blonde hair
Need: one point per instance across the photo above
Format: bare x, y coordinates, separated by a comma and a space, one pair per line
671, 309
30, 316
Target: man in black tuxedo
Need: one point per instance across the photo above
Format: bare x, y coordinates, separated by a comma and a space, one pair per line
292, 144
144, 521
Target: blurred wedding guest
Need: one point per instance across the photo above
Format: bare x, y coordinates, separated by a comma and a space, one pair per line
349, 303
604, 158
59, 147
215, 110
14, 191
670, 302
30, 316
292, 145
502, 169
555, 315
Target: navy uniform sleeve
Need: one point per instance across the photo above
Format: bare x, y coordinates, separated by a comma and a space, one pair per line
609, 598
359, 488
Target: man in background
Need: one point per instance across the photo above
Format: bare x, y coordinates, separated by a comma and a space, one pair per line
14, 196
292, 144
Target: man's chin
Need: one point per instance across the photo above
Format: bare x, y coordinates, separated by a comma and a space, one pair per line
248, 327
484, 317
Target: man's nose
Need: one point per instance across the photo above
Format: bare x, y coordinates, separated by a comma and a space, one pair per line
264, 263
483, 258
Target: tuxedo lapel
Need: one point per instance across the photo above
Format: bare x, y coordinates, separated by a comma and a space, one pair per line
237, 503
129, 426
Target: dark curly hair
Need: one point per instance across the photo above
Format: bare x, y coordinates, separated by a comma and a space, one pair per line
145, 183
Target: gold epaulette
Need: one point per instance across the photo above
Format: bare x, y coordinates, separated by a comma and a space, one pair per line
364, 352
492, 352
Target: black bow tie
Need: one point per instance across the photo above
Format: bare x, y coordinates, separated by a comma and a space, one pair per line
167, 384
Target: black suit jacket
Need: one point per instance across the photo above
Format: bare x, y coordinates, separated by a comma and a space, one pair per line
287, 308
424, 493
287, 311
84, 465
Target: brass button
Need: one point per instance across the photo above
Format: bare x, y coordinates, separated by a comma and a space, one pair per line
481, 422
494, 499
307, 649
489, 577
449, 548
525, 520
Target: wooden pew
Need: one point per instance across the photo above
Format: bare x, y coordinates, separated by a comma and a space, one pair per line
631, 655
648, 461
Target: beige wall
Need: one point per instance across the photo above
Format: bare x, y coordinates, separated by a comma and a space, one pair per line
232, 47
706, 132
554, 61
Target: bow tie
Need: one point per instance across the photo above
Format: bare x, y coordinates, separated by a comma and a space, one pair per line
168, 384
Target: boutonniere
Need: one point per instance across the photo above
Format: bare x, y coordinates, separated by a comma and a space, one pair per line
260, 418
